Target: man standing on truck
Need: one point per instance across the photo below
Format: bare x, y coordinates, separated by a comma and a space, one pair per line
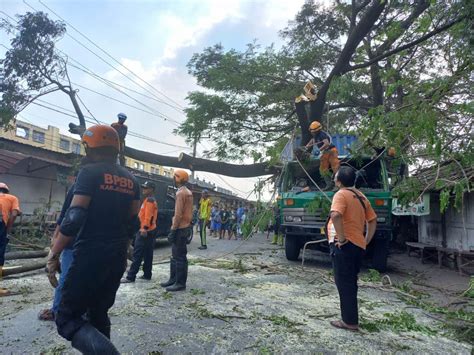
103, 214
9, 209
180, 229
122, 130
328, 152
350, 210
205, 204
145, 238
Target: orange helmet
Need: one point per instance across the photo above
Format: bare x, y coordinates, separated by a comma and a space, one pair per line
101, 136
181, 176
4, 186
315, 126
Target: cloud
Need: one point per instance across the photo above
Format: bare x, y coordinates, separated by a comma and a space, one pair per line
277, 13
186, 31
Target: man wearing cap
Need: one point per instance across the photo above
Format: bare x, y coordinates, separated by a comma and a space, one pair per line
205, 204
10, 209
122, 130
145, 238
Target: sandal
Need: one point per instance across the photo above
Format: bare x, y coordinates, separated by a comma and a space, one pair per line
46, 315
341, 325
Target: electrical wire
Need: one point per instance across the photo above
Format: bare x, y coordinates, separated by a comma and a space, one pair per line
110, 56
160, 114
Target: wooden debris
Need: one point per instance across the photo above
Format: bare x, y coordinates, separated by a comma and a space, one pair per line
30, 254
12, 270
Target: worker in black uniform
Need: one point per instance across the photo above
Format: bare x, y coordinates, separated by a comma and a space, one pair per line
104, 215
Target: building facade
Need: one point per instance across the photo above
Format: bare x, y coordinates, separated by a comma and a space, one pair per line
51, 139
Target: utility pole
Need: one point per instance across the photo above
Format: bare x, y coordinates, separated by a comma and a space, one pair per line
194, 152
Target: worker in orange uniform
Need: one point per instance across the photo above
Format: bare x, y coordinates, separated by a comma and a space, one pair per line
180, 230
328, 152
102, 216
145, 238
10, 209
122, 130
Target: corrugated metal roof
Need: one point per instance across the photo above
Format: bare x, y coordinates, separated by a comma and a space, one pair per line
9, 159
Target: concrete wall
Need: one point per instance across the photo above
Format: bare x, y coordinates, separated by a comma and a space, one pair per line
36, 188
457, 229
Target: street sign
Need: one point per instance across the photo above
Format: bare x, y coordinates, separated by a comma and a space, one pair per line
420, 208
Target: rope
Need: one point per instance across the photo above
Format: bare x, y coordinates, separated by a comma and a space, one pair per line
314, 182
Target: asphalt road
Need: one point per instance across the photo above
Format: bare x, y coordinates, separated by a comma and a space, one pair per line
241, 297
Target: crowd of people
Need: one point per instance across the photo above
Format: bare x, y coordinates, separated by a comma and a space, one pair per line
224, 221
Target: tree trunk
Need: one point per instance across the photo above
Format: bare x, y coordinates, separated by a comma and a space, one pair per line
26, 254
188, 162
342, 64
12, 270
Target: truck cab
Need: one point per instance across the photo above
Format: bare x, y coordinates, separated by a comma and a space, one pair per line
304, 208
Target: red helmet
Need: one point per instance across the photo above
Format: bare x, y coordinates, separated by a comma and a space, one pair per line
101, 136
4, 186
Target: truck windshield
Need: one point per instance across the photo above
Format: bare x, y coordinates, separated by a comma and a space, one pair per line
369, 176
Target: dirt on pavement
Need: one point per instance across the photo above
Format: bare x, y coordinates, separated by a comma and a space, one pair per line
245, 297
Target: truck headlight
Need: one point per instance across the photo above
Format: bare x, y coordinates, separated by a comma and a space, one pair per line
381, 219
289, 218
297, 219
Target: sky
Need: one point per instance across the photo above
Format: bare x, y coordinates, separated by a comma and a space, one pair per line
154, 39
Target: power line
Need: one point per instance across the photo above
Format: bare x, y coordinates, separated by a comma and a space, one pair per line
110, 82
110, 56
101, 58
63, 111
107, 82
83, 104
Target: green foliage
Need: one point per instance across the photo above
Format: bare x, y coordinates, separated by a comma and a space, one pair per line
319, 205
372, 275
399, 322
31, 66
470, 291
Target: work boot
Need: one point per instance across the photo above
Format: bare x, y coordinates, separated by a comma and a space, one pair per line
88, 340
181, 277
203, 247
172, 278
329, 183
145, 278
274, 239
280, 239
124, 280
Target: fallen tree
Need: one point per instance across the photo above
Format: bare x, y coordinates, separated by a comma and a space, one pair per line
26, 254
186, 161
12, 270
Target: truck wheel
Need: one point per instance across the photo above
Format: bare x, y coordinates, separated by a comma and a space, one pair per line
380, 254
292, 248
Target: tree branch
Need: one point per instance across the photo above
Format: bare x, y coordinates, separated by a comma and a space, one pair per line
405, 46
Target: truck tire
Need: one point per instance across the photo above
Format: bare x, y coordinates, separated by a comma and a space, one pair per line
292, 248
380, 254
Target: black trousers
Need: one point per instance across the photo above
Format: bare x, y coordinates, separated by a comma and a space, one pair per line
3, 242
142, 251
90, 287
179, 248
346, 264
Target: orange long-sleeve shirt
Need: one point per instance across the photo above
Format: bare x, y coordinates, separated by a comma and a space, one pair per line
148, 214
183, 211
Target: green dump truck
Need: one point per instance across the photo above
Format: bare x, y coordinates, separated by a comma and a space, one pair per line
303, 213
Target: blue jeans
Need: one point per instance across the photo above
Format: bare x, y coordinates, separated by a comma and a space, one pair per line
66, 260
